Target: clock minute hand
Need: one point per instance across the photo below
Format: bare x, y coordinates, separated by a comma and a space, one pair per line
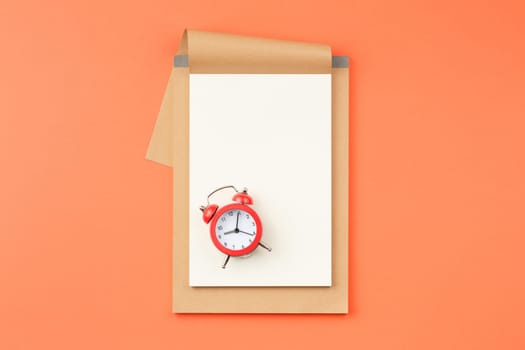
251, 234
237, 223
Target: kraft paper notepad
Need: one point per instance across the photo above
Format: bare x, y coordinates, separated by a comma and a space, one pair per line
214, 54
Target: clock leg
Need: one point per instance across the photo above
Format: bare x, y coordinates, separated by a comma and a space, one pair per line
265, 246
226, 261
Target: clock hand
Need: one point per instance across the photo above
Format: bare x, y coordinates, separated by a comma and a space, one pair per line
251, 234
237, 223
232, 231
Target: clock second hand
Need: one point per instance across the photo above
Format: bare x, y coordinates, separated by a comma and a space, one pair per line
251, 234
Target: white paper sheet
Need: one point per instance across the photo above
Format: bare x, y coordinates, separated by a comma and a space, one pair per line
270, 133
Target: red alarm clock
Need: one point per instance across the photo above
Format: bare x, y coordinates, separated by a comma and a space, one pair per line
235, 229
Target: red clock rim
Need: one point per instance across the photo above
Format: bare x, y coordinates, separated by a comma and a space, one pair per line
258, 224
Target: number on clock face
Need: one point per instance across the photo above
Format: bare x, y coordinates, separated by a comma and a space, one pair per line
236, 229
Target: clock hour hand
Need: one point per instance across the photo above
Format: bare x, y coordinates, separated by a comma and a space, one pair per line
251, 234
227, 233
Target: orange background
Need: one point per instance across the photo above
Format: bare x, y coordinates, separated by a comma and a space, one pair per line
437, 187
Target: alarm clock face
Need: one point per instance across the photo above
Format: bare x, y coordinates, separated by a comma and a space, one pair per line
236, 229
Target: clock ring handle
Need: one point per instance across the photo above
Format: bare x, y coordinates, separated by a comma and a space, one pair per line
245, 190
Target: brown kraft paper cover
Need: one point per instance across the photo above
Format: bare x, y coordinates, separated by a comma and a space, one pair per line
206, 52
